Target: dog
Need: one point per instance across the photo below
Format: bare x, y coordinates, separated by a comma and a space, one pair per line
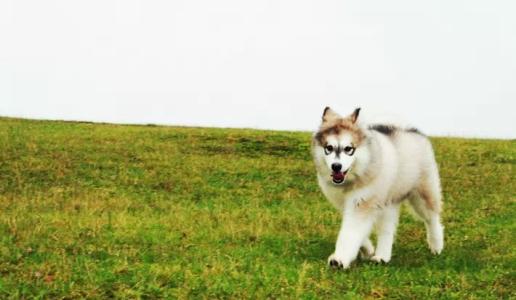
366, 172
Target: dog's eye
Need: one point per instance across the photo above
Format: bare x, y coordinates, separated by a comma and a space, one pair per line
349, 150
328, 149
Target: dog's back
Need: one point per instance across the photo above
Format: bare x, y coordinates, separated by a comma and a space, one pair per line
407, 158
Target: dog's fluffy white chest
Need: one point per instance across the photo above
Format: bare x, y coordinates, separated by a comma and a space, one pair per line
335, 195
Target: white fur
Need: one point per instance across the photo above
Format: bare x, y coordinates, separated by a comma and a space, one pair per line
384, 171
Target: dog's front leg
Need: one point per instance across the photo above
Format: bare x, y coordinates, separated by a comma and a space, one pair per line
356, 227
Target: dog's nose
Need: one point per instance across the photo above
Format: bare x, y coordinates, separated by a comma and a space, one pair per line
336, 167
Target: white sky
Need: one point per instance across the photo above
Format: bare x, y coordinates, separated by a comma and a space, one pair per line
446, 66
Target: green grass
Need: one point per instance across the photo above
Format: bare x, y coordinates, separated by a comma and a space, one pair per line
101, 211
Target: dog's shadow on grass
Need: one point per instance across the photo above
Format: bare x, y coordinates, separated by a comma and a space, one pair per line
315, 249
300, 250
409, 257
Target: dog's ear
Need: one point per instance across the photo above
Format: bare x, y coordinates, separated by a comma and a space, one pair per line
329, 114
354, 115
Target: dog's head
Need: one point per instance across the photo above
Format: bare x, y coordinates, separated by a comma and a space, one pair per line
337, 144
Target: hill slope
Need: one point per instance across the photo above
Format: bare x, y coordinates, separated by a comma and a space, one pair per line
91, 210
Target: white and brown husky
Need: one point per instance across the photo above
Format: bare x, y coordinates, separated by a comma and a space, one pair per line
366, 172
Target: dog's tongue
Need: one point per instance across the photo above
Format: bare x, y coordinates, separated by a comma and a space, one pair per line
338, 176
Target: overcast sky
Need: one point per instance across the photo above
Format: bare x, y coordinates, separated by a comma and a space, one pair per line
448, 67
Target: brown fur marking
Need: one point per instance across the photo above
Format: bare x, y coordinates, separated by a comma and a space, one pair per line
337, 127
429, 202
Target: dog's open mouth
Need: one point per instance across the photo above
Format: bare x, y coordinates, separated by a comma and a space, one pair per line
338, 177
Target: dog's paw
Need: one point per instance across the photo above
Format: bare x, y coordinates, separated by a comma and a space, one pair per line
435, 238
436, 249
366, 252
335, 261
380, 259
436, 245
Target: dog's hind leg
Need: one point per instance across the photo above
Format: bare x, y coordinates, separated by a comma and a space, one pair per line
426, 203
386, 229
367, 249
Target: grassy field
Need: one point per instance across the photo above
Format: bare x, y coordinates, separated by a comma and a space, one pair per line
102, 211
